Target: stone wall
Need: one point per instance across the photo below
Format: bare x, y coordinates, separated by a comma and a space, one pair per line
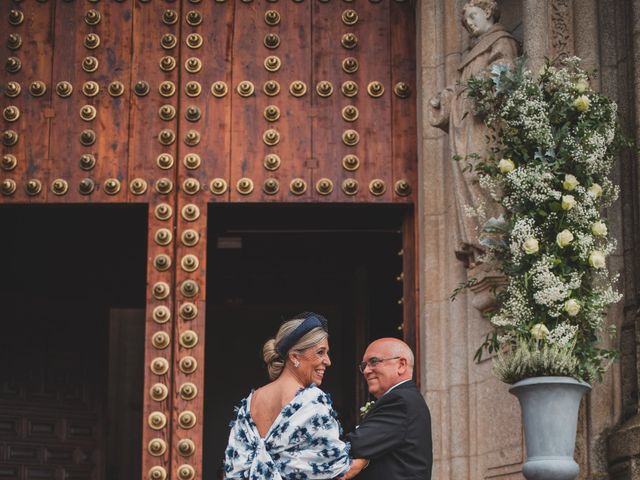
476, 423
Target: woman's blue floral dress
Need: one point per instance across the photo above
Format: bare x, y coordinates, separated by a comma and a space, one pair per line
303, 442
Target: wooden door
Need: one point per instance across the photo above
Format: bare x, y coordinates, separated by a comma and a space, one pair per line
181, 103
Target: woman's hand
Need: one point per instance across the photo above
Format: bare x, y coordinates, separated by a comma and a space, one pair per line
356, 467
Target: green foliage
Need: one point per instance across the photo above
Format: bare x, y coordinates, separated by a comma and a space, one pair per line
535, 359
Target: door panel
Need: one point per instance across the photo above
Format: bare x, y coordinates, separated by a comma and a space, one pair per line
166, 56
26, 139
210, 115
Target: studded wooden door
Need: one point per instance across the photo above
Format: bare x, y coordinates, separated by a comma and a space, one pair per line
181, 103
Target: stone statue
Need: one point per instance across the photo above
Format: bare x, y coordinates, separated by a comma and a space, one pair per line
451, 111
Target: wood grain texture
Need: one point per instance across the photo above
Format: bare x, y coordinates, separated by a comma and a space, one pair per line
404, 110
111, 123
231, 147
411, 285
152, 353
374, 39
248, 122
189, 326
145, 122
327, 122
32, 148
214, 124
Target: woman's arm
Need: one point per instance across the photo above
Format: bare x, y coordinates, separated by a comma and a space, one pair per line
356, 467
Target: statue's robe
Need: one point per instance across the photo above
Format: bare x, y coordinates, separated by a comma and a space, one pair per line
467, 134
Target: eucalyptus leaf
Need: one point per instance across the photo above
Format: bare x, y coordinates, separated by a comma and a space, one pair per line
496, 225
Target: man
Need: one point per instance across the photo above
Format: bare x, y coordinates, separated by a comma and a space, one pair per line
395, 435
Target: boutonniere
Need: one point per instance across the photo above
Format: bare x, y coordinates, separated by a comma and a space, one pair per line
366, 408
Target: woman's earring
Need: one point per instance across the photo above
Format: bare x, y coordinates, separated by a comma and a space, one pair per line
296, 363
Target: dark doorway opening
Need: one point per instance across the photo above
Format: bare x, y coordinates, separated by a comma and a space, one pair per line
72, 296
268, 262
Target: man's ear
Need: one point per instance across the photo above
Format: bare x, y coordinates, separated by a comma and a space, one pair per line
402, 366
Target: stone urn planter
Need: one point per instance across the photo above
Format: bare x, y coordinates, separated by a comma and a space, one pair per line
550, 416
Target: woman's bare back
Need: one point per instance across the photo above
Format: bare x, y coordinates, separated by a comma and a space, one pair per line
267, 403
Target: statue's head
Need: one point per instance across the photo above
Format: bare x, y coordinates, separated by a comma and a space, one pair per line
478, 16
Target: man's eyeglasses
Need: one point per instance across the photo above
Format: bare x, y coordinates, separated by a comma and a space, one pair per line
373, 362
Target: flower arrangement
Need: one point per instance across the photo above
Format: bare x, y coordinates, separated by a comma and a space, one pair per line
551, 147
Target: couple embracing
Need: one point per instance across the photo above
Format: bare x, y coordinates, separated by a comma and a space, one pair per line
288, 430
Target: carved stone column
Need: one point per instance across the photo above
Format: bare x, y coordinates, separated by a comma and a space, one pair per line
549, 30
624, 443
586, 34
535, 18
561, 22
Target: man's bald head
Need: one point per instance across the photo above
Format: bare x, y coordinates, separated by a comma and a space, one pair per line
389, 362
395, 348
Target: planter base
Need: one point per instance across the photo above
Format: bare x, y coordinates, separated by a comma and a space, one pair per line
550, 468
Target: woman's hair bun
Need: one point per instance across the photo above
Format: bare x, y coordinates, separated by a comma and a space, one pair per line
271, 357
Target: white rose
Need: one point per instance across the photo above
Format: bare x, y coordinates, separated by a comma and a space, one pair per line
564, 238
506, 165
595, 190
581, 85
599, 229
570, 182
568, 202
539, 331
597, 260
582, 103
530, 246
572, 307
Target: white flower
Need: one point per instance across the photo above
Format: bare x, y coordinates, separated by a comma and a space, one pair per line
570, 182
516, 309
572, 307
582, 103
548, 288
539, 331
595, 191
523, 230
564, 238
506, 165
581, 85
530, 246
568, 202
599, 229
597, 259
583, 245
366, 407
563, 334
529, 184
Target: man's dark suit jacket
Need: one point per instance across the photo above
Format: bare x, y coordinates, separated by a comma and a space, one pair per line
396, 437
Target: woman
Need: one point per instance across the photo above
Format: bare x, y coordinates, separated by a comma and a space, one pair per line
288, 429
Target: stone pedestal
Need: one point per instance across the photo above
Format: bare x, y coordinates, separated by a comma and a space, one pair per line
488, 283
623, 449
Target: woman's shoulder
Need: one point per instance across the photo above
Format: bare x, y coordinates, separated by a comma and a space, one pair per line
318, 399
315, 394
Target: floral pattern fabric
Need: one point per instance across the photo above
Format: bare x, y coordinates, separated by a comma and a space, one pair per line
302, 444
